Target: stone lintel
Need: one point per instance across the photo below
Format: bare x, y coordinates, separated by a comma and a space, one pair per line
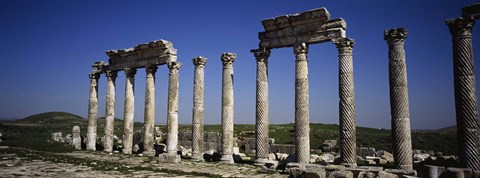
303, 29
472, 11
308, 38
153, 53
98, 67
312, 16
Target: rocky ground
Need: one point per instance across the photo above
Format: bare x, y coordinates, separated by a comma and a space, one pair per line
18, 162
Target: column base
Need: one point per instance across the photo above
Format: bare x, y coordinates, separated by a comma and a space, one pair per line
352, 165
91, 148
227, 159
127, 151
197, 157
148, 153
169, 158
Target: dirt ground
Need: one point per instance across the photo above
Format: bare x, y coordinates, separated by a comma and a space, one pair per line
17, 162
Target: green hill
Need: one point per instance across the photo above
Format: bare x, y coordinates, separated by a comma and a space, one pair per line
53, 117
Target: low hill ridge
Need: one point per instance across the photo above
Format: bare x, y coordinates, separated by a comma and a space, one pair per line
52, 117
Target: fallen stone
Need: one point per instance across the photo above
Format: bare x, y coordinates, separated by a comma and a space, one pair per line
401, 172
366, 175
271, 164
169, 158
57, 136
384, 174
314, 171
420, 157
341, 174
271, 156
327, 158
388, 157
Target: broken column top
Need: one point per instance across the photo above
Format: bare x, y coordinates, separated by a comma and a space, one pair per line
153, 53
313, 26
472, 11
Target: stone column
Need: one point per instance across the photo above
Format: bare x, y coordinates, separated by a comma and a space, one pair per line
76, 138
198, 108
92, 111
129, 110
149, 119
172, 117
348, 143
227, 107
401, 137
261, 117
110, 110
466, 106
302, 115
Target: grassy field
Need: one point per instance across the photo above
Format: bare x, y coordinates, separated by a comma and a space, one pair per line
34, 131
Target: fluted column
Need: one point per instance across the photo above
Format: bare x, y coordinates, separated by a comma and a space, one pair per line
466, 106
129, 110
92, 111
149, 119
401, 136
227, 107
198, 108
110, 110
348, 143
302, 115
172, 108
261, 117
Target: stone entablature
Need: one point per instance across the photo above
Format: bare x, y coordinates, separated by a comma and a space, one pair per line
472, 11
154, 53
310, 27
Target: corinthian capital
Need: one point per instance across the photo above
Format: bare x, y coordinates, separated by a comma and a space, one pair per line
151, 69
344, 45
199, 61
300, 48
174, 66
130, 72
460, 26
261, 54
395, 35
111, 73
228, 58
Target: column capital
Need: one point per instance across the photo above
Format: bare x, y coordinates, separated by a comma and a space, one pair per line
300, 48
344, 45
94, 75
199, 61
130, 72
261, 53
460, 26
151, 69
111, 73
228, 58
395, 35
174, 66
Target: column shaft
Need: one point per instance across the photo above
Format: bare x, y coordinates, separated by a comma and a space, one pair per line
466, 105
92, 112
348, 144
302, 115
198, 108
401, 136
172, 115
261, 117
227, 107
129, 110
149, 119
110, 111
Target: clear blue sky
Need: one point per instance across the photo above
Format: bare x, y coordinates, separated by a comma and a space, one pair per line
47, 48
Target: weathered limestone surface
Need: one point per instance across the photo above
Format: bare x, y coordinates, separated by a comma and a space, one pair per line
313, 26
110, 110
261, 125
302, 115
466, 105
227, 107
128, 112
348, 143
149, 119
76, 138
198, 108
92, 111
172, 115
154, 53
401, 136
